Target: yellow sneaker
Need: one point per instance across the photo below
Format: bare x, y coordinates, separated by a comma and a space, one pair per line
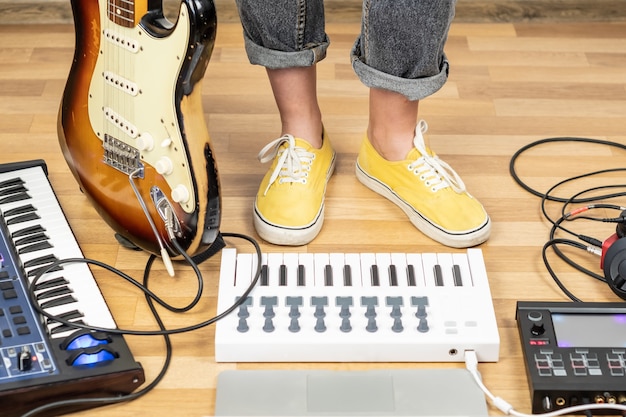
428, 191
289, 207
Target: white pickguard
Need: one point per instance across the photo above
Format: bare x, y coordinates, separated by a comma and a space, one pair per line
132, 93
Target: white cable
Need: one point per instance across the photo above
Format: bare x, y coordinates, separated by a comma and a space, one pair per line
471, 364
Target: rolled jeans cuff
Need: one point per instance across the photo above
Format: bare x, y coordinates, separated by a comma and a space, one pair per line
412, 89
273, 59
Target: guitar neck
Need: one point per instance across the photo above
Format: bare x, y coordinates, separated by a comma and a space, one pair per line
126, 13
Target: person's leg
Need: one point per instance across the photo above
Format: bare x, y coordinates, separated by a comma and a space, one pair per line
392, 121
295, 92
288, 38
399, 55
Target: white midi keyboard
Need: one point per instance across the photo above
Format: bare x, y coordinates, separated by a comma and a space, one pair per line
356, 307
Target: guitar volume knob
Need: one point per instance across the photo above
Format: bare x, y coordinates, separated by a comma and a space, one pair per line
180, 194
164, 166
145, 142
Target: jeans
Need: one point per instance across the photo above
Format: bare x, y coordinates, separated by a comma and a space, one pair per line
400, 47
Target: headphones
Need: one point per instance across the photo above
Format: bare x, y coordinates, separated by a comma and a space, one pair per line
613, 261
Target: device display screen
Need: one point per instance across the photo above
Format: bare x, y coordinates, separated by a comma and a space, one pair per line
590, 330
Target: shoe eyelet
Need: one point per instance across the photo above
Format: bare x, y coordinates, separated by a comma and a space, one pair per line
422, 178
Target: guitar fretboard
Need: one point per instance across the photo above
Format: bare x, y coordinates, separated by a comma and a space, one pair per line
122, 12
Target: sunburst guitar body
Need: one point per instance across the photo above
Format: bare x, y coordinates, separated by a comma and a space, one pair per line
131, 123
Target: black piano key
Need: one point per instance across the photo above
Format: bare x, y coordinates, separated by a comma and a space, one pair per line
301, 276
51, 283
328, 276
36, 237
55, 292
374, 276
347, 276
456, 274
12, 182
14, 198
393, 276
27, 208
264, 276
23, 218
28, 231
47, 268
68, 315
42, 260
68, 299
16, 189
35, 247
64, 328
410, 276
282, 275
438, 276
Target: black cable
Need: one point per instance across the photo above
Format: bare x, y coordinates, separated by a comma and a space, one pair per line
523, 149
575, 214
560, 254
552, 243
151, 298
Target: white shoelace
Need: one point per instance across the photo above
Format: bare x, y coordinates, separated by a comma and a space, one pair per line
434, 172
294, 162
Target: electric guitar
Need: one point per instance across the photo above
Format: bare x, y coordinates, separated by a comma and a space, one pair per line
131, 124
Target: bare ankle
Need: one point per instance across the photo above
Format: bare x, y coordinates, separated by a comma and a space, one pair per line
391, 144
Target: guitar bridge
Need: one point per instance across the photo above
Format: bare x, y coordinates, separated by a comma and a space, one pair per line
121, 156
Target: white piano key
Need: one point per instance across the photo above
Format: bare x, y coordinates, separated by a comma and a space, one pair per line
245, 270
367, 261
290, 260
383, 263
429, 260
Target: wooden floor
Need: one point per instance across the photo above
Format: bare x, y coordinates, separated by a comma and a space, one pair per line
510, 84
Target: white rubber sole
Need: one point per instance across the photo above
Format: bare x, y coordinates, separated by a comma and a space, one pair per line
456, 239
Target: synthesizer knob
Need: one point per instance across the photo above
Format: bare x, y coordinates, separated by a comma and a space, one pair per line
535, 316
538, 329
